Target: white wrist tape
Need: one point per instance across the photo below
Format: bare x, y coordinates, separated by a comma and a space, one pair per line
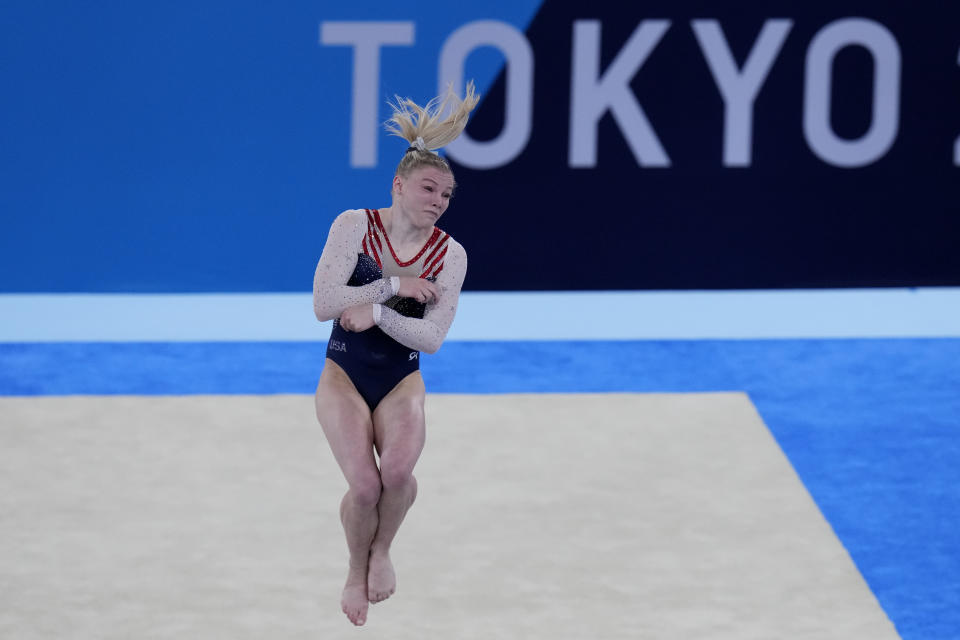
395, 284
377, 310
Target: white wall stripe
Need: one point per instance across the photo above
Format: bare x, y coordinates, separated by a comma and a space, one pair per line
822, 313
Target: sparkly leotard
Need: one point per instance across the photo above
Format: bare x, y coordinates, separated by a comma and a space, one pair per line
355, 268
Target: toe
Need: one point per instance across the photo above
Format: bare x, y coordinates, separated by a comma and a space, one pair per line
357, 617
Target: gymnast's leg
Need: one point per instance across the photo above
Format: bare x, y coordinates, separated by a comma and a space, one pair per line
399, 432
348, 427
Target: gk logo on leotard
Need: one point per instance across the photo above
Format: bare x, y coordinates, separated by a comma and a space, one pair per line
413, 355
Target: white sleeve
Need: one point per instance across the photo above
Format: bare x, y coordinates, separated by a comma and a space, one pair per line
427, 334
331, 294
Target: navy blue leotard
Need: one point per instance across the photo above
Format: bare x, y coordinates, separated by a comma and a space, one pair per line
374, 361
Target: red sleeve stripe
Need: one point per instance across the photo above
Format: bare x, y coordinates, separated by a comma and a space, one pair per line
369, 246
373, 233
443, 241
436, 234
430, 266
375, 218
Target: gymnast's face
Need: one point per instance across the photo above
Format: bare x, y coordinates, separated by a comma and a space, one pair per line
424, 194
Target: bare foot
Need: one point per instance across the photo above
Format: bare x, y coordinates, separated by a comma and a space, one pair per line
354, 598
381, 579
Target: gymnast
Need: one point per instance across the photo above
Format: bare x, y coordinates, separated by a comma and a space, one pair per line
390, 281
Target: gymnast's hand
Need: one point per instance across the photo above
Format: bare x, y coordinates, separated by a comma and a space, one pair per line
417, 288
357, 319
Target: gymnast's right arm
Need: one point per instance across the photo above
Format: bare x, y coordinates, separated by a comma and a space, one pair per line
331, 294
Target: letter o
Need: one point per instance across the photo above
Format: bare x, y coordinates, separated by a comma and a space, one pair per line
518, 112
884, 123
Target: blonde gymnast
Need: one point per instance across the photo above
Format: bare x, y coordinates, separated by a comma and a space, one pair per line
390, 280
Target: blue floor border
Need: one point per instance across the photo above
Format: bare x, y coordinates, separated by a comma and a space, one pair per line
872, 426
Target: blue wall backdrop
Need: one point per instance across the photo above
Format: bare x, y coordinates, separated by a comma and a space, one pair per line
196, 146
207, 146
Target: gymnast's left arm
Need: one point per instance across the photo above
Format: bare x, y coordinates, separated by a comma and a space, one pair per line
428, 334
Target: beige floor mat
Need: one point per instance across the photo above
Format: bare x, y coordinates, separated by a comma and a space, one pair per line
672, 516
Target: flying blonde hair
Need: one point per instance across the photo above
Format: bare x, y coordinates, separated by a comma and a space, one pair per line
424, 129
